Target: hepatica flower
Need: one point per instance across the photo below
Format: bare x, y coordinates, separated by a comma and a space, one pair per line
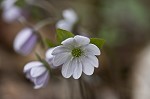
37, 73
76, 54
10, 11
70, 18
25, 41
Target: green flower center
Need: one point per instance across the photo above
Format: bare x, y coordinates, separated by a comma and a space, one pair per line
77, 52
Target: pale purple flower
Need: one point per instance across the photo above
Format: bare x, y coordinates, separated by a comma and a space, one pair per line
12, 14
10, 11
75, 55
25, 41
37, 73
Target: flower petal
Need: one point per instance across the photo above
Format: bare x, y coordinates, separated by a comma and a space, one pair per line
60, 49
61, 58
49, 53
30, 65
88, 69
37, 71
78, 70
42, 80
81, 40
68, 42
64, 24
91, 59
92, 49
69, 67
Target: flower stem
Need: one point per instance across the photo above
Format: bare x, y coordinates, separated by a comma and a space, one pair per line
82, 89
44, 22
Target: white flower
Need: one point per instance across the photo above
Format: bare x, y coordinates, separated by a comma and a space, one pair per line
70, 15
70, 18
37, 73
25, 41
76, 55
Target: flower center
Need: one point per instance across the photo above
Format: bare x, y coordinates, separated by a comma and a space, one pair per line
76, 52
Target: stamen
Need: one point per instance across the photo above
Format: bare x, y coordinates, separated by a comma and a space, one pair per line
77, 52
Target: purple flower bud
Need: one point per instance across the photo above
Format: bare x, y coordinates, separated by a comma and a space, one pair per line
49, 57
37, 73
25, 41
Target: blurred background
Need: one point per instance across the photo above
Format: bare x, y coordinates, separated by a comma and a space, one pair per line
124, 71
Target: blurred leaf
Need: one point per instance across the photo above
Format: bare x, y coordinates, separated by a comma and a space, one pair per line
49, 43
20, 3
63, 34
1, 1
98, 42
37, 13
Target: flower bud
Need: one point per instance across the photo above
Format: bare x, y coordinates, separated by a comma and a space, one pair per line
49, 57
37, 73
25, 41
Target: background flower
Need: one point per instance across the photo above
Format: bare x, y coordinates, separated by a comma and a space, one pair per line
25, 41
77, 55
10, 11
70, 18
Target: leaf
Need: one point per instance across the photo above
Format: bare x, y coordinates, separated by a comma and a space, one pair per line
63, 34
98, 42
20, 3
49, 43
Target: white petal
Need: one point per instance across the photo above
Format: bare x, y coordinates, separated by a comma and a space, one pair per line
88, 69
92, 49
91, 59
37, 71
69, 67
68, 42
61, 58
60, 49
78, 70
32, 64
64, 24
49, 53
81, 40
41, 81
